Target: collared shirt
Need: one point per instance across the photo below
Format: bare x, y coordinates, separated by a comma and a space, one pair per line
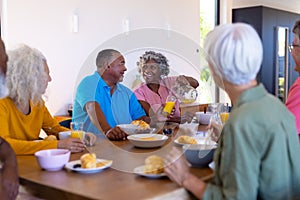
119, 108
258, 155
293, 102
156, 100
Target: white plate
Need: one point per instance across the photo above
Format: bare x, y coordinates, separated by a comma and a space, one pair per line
198, 139
140, 171
70, 166
144, 141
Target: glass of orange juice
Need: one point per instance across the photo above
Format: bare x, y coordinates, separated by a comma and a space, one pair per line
169, 105
224, 117
224, 113
77, 130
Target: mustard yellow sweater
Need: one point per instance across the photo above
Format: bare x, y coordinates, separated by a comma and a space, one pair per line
22, 131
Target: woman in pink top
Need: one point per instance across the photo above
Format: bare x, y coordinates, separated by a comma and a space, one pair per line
153, 93
293, 100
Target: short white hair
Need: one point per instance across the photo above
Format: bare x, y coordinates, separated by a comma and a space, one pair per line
234, 52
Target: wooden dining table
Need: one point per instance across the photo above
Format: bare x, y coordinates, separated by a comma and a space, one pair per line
115, 182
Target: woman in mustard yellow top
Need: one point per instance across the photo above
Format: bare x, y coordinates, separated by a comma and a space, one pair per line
23, 113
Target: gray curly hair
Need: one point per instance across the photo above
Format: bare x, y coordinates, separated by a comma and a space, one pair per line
158, 58
25, 74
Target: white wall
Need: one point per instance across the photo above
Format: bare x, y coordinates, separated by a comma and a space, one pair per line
46, 25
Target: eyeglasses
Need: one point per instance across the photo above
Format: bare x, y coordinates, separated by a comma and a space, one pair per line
292, 46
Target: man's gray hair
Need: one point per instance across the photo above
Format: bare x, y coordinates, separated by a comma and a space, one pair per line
105, 56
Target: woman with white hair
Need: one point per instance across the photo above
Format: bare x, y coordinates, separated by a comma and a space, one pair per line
152, 94
23, 113
258, 151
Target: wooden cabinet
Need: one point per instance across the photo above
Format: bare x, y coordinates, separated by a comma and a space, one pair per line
265, 20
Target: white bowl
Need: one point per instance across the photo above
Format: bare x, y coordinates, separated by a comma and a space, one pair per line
147, 140
131, 129
52, 159
203, 118
64, 135
199, 155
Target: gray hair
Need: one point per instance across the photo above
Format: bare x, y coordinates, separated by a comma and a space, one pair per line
25, 74
105, 56
158, 58
234, 52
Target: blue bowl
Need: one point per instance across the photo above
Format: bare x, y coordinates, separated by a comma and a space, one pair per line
199, 155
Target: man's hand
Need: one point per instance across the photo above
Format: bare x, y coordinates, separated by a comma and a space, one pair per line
116, 134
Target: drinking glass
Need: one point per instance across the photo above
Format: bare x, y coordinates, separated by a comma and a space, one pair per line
215, 108
77, 130
224, 113
170, 103
215, 121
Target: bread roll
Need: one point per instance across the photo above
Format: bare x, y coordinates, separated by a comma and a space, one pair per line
154, 165
143, 125
88, 160
184, 139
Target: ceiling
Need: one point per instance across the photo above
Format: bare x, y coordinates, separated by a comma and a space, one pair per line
288, 5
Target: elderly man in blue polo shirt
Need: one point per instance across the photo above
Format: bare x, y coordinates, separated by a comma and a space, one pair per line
102, 103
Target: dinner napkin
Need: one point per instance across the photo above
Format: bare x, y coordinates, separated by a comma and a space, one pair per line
189, 129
